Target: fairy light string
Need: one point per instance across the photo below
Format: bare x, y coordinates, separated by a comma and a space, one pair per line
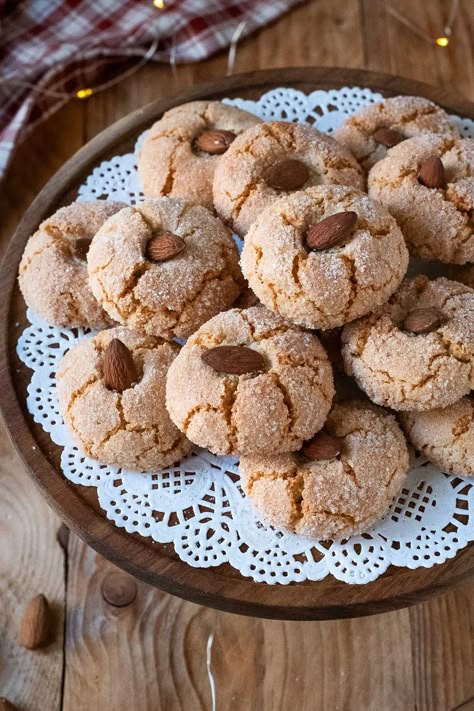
442, 40
87, 91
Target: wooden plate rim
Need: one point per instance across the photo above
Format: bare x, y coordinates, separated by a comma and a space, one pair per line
398, 587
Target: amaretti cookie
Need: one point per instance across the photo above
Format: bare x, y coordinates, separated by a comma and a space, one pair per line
417, 352
164, 267
111, 391
181, 150
53, 270
427, 183
249, 382
370, 132
445, 436
273, 159
340, 483
324, 256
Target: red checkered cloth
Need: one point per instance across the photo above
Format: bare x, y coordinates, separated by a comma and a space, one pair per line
50, 49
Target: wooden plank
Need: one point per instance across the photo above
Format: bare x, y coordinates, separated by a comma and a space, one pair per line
31, 562
443, 650
154, 652
392, 47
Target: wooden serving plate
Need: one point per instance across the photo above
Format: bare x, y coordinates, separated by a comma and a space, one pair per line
223, 587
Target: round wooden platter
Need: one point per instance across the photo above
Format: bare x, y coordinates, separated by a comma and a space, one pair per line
157, 564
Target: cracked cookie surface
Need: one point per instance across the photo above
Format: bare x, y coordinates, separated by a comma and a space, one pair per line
335, 498
445, 436
408, 371
273, 411
437, 222
169, 162
408, 115
53, 278
130, 429
240, 190
324, 289
171, 298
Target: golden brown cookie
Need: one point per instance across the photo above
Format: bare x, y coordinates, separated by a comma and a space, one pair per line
179, 154
370, 132
324, 256
445, 436
427, 183
345, 489
269, 395
127, 428
164, 267
417, 351
271, 160
53, 269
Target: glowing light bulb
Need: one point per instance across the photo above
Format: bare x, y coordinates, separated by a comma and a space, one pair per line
83, 93
442, 41
159, 4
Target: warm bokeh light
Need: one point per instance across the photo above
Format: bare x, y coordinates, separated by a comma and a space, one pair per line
83, 93
442, 41
159, 4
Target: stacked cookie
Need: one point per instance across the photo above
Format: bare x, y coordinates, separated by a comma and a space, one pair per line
321, 284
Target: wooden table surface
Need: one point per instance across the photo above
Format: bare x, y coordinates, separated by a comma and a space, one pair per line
150, 655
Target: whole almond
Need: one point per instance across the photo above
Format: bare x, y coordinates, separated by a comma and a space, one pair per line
331, 231
323, 446
234, 360
81, 248
423, 320
388, 137
6, 705
164, 246
432, 174
215, 141
35, 624
288, 174
118, 366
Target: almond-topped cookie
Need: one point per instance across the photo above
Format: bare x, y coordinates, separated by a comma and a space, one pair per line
324, 256
164, 267
275, 159
417, 351
53, 269
375, 129
250, 382
427, 183
445, 435
340, 483
180, 152
111, 391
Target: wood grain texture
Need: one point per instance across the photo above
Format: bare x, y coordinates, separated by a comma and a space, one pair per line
404, 667
31, 562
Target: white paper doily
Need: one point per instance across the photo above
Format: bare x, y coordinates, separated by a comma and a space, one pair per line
198, 505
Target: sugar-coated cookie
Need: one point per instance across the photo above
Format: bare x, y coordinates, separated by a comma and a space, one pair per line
273, 159
373, 130
445, 436
53, 270
340, 484
324, 256
417, 351
427, 183
164, 267
112, 397
180, 152
249, 382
